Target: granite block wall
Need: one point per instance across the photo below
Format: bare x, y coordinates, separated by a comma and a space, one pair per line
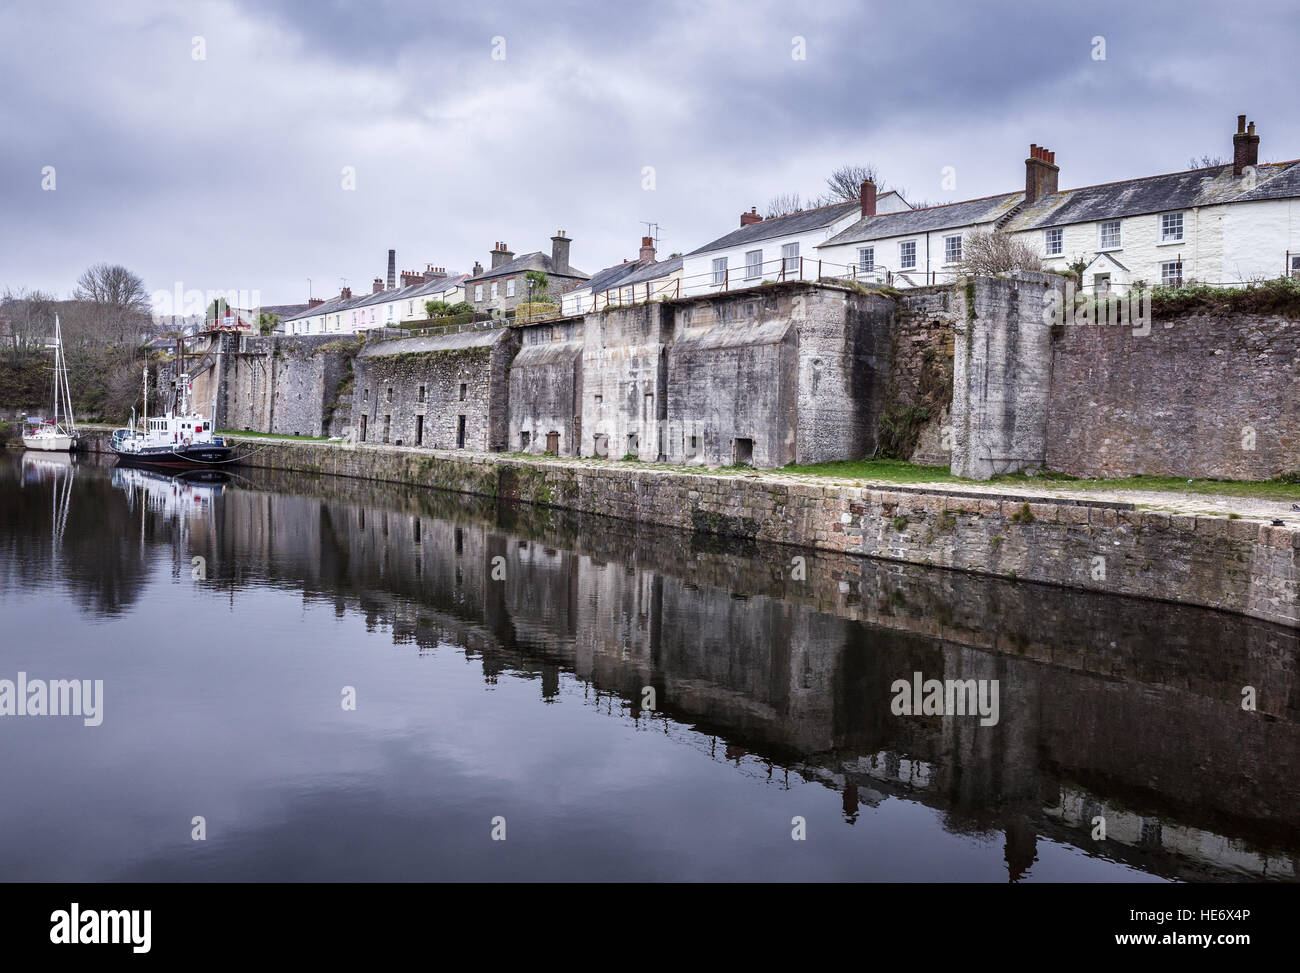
1201, 395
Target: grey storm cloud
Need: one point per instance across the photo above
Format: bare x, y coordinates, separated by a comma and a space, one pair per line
226, 172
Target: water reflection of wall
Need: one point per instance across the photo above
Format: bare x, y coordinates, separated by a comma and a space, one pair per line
1132, 704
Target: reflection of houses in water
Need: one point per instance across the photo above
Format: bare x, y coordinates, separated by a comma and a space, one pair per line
1119, 700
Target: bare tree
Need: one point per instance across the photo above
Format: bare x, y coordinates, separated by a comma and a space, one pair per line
118, 301
845, 183
783, 205
113, 285
29, 320
1206, 162
985, 253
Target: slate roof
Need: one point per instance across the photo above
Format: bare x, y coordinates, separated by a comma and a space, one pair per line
283, 311
1157, 194
537, 260
804, 221
945, 216
612, 276
425, 289
654, 271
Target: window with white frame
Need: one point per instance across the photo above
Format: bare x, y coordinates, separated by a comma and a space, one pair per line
952, 249
494, 289
1295, 266
907, 255
1108, 236
866, 259
1053, 242
753, 264
410, 309
1171, 227
478, 292
1171, 273
510, 287
719, 270
390, 311
790, 258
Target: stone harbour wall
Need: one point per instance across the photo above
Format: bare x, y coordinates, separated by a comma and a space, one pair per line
1235, 565
1202, 395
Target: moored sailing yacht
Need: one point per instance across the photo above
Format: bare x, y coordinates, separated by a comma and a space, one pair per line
182, 438
53, 434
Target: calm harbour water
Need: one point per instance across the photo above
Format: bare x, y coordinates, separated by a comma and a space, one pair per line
520, 697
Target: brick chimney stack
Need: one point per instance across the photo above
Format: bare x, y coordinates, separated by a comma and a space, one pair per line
378, 286
1245, 146
501, 255
345, 294
560, 253
392, 269
478, 269
750, 218
647, 249
1041, 172
867, 196
315, 301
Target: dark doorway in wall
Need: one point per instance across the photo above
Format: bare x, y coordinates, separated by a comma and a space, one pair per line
463, 387
388, 426
363, 429
419, 430
460, 432
600, 444
525, 438
744, 452
633, 445
553, 443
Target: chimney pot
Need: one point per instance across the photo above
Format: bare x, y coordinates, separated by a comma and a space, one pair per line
1245, 146
560, 253
647, 249
750, 218
1041, 173
867, 198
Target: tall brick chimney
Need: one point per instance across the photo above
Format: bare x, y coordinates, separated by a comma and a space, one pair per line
750, 218
560, 253
1245, 146
315, 302
392, 269
345, 294
377, 286
1041, 171
500, 255
647, 249
867, 196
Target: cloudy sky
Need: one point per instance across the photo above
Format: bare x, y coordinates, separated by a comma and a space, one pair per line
207, 142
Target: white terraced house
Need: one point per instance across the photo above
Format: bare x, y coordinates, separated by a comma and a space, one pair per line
382, 307
780, 247
629, 282
1222, 224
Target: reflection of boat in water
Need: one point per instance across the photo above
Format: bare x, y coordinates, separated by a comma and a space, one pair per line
51, 435
171, 495
44, 466
56, 469
181, 438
